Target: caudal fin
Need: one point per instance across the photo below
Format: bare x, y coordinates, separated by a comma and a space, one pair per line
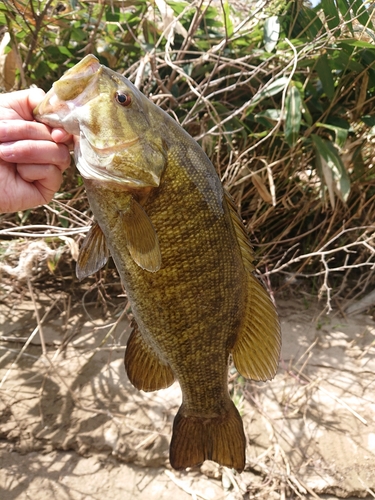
196, 439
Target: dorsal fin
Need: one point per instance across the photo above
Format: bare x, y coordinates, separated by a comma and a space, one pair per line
257, 348
241, 234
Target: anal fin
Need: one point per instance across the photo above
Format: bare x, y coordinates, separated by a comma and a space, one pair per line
196, 439
144, 368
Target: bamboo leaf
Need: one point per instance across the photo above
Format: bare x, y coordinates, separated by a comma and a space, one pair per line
307, 115
293, 108
344, 8
268, 115
326, 174
227, 20
329, 162
360, 11
369, 120
309, 23
331, 13
325, 75
271, 33
271, 89
341, 133
361, 44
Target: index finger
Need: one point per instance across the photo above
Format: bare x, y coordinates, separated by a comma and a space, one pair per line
20, 104
18, 130
59, 135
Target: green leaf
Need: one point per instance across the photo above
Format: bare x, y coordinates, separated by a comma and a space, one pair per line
177, 6
271, 89
343, 59
65, 51
331, 13
360, 11
272, 115
369, 120
78, 34
227, 20
112, 14
293, 106
41, 70
331, 168
308, 23
344, 8
307, 115
271, 33
268, 117
341, 133
325, 74
359, 43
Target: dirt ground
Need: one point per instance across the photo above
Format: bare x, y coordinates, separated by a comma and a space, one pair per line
72, 427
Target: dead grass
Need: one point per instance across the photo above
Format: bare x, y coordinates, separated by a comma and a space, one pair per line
304, 244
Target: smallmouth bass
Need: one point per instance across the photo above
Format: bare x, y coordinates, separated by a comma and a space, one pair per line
182, 253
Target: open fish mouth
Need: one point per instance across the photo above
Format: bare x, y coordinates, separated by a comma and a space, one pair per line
73, 88
96, 163
108, 145
101, 173
106, 150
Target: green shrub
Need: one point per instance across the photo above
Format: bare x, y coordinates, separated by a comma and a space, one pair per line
279, 95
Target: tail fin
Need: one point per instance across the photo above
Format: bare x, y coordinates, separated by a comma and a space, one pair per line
196, 439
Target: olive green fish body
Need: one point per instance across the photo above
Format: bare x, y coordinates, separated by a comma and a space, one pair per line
190, 310
182, 254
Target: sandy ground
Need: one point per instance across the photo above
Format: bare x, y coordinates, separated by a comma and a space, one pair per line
72, 426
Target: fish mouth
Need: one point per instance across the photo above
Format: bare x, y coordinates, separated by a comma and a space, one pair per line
99, 155
75, 87
101, 174
107, 150
94, 165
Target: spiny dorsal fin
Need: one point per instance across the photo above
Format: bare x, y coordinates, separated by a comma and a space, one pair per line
257, 348
241, 234
93, 254
144, 368
141, 238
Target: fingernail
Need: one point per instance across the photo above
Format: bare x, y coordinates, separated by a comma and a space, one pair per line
7, 149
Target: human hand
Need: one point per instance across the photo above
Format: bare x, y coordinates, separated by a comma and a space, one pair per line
32, 155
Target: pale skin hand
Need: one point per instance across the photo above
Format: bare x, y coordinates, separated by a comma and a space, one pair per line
32, 155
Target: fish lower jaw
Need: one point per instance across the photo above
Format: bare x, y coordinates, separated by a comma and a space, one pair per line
102, 175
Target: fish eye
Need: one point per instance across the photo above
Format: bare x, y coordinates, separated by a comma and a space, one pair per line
123, 99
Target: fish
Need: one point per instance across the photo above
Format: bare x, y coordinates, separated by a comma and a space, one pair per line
182, 253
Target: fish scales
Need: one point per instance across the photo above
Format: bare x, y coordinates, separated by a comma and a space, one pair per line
187, 300
181, 251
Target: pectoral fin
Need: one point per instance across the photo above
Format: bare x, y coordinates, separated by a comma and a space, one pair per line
141, 238
257, 348
144, 368
93, 254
